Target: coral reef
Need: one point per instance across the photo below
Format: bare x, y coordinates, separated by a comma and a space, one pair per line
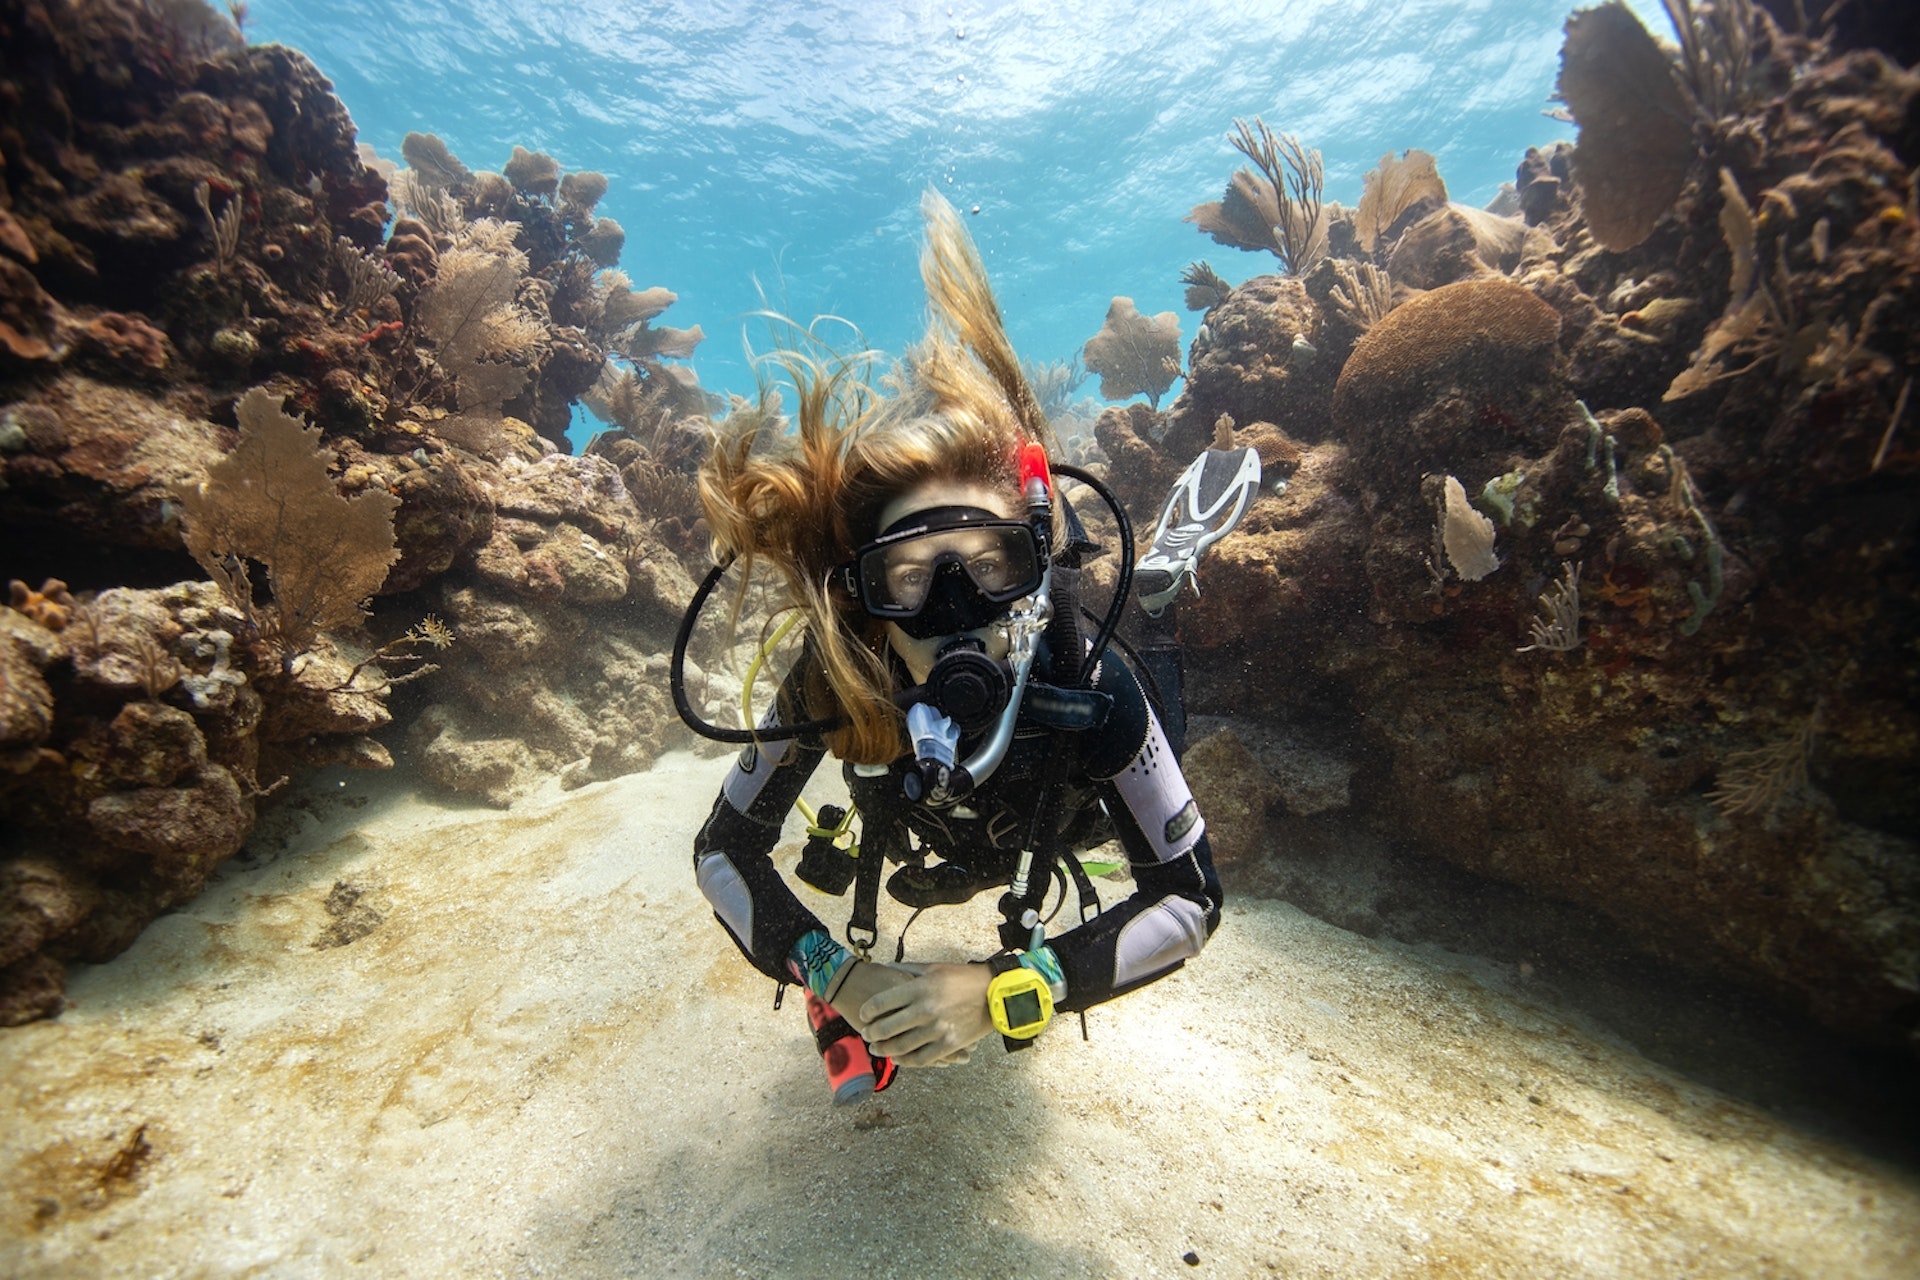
51, 606
499, 306
1456, 371
1458, 242
133, 744
562, 623
1242, 773
197, 261
1257, 359
1592, 540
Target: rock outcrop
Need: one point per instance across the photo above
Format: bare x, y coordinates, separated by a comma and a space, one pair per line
183, 219
1684, 695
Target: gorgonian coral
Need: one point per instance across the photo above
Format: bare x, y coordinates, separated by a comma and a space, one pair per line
1135, 354
274, 501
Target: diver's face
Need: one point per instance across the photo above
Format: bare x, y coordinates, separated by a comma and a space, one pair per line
919, 654
988, 558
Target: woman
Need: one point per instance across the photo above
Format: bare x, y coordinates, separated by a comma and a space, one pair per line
913, 547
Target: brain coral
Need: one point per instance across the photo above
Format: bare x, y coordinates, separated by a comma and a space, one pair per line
1476, 331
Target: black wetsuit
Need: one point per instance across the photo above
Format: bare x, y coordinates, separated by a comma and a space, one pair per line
1122, 779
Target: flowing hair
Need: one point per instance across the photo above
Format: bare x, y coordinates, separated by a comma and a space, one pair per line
802, 502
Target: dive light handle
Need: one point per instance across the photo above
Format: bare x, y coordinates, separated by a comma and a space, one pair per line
854, 1074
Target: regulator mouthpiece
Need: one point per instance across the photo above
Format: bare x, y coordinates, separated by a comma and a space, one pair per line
936, 742
935, 737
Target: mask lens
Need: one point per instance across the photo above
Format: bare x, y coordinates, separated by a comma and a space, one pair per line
897, 574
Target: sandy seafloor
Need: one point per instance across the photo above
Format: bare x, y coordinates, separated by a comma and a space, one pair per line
545, 1059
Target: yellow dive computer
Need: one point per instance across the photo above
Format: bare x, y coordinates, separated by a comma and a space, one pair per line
1019, 1000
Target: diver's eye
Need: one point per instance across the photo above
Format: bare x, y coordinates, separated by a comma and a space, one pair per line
907, 582
991, 571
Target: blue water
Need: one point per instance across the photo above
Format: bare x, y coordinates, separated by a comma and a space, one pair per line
775, 152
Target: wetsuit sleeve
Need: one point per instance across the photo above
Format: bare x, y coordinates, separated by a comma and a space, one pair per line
731, 855
1175, 906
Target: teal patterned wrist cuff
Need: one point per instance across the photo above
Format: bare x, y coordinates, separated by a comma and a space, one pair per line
817, 960
1043, 962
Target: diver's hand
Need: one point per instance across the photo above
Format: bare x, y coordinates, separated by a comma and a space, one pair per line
930, 1019
863, 980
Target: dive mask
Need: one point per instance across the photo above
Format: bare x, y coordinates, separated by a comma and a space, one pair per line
945, 570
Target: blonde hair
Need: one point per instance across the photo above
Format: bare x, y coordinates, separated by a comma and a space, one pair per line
802, 503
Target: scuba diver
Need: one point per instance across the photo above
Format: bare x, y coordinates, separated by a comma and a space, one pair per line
985, 737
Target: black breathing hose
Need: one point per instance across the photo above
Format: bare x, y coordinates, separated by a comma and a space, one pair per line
677, 679
1125, 584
